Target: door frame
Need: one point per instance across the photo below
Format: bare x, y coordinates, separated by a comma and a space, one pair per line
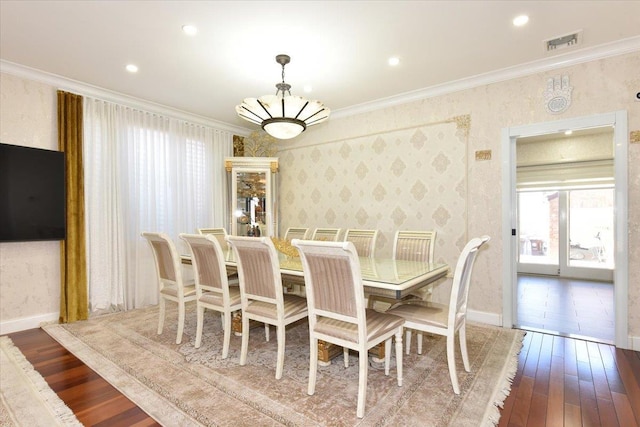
618, 120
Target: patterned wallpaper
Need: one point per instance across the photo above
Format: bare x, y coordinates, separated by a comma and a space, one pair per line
408, 179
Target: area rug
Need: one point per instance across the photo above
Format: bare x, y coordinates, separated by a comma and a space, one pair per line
25, 397
182, 385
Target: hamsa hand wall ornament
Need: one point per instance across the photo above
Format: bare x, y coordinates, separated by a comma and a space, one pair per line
557, 95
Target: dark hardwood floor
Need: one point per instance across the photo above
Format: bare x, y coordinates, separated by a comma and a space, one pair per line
567, 382
94, 401
560, 382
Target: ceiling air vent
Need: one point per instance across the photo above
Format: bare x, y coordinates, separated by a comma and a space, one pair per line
563, 42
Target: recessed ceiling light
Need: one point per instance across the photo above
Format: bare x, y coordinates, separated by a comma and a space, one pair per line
132, 68
568, 132
521, 20
393, 61
307, 88
190, 30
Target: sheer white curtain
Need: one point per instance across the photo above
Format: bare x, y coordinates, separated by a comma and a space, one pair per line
144, 172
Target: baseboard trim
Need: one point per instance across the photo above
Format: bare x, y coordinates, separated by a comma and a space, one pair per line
484, 317
24, 323
634, 343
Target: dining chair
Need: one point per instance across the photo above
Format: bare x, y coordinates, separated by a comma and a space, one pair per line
415, 245
363, 240
446, 320
212, 285
221, 236
337, 312
219, 233
171, 284
261, 292
296, 233
327, 234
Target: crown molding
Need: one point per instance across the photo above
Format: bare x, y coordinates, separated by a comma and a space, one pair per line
85, 89
620, 47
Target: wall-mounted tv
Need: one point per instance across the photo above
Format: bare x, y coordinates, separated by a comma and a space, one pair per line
32, 194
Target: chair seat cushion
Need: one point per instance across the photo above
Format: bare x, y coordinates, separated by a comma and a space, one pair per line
215, 298
377, 324
293, 305
189, 290
423, 312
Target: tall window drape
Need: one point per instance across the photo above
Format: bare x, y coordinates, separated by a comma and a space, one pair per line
145, 172
73, 274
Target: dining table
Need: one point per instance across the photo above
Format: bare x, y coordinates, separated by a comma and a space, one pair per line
388, 278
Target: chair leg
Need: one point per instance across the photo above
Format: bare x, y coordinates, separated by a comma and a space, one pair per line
280, 332
408, 340
387, 355
363, 357
245, 340
200, 319
419, 342
313, 366
161, 316
345, 355
227, 334
399, 356
451, 361
180, 322
266, 332
463, 347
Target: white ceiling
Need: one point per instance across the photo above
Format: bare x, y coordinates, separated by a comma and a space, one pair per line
339, 47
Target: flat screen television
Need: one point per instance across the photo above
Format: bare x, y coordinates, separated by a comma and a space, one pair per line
32, 194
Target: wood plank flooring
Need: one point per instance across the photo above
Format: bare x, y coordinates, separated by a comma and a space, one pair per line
568, 382
92, 399
560, 382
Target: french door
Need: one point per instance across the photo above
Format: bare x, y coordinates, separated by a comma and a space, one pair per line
567, 233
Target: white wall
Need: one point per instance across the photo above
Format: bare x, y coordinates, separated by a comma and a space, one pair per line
599, 86
29, 271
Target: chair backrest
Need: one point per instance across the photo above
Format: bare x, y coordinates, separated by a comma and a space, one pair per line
333, 282
296, 233
414, 245
462, 278
166, 259
363, 240
219, 233
327, 234
258, 270
207, 259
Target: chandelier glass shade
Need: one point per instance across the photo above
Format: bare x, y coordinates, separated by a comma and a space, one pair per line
283, 115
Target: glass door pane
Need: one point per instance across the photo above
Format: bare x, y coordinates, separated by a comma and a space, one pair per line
538, 228
591, 228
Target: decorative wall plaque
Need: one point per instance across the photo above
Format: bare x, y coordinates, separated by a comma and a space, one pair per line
557, 95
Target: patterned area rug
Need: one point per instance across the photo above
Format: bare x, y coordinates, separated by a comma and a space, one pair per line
182, 385
25, 397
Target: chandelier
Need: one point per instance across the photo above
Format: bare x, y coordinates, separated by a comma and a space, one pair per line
283, 115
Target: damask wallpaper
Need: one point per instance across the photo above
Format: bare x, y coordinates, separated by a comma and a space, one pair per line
408, 179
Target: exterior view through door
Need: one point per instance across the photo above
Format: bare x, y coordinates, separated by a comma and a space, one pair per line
566, 228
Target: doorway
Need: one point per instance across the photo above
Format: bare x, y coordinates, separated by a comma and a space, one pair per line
562, 189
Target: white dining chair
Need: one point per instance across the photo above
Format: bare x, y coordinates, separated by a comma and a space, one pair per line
296, 233
337, 311
261, 292
415, 245
363, 240
449, 319
212, 285
327, 234
171, 284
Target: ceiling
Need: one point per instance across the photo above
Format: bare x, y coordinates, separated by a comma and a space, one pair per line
341, 48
